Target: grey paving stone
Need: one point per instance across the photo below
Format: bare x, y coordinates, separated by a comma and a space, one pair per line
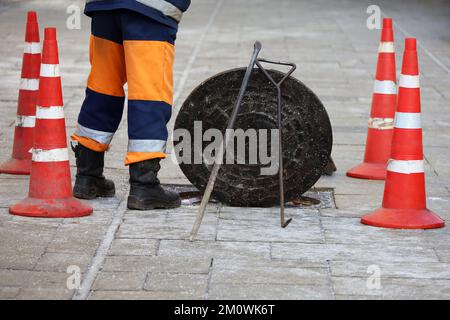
268, 292
238, 274
341, 213
165, 231
143, 295
78, 237
126, 281
156, 264
20, 259
356, 297
39, 231
37, 293
443, 252
366, 203
59, 262
83, 230
438, 203
349, 186
192, 284
22, 244
264, 214
304, 229
176, 224
134, 247
148, 217
63, 243
216, 249
105, 203
426, 270
352, 231
352, 252
99, 217
393, 288
8, 292
32, 279
42, 224
12, 190
262, 262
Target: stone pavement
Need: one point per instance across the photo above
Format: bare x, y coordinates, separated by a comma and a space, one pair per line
241, 253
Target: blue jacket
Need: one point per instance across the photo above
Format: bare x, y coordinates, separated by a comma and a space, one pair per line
168, 12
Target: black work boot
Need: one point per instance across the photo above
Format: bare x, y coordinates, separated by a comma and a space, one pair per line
146, 192
90, 182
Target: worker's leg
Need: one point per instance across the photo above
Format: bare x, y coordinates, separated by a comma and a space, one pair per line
149, 55
102, 108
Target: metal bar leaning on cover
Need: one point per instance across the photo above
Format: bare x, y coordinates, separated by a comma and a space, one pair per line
219, 155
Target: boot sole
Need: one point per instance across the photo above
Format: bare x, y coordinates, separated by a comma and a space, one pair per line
134, 204
86, 194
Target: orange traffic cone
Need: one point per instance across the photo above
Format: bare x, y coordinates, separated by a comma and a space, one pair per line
379, 132
50, 190
404, 202
20, 162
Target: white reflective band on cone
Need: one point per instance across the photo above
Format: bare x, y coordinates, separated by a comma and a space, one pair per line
405, 166
408, 81
407, 120
32, 47
386, 47
384, 87
49, 112
99, 136
381, 123
53, 155
25, 121
29, 84
50, 70
146, 145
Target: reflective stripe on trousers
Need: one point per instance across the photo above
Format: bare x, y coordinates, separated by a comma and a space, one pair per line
162, 6
99, 136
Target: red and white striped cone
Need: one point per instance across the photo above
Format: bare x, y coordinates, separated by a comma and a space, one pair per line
50, 189
404, 201
20, 161
381, 122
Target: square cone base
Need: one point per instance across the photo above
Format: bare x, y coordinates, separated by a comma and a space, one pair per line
16, 166
403, 219
370, 171
51, 208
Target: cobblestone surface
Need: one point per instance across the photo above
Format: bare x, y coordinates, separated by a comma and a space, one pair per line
240, 252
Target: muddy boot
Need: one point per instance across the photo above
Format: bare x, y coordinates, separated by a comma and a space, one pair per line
90, 182
146, 192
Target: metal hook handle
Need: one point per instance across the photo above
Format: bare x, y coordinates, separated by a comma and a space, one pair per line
284, 223
280, 63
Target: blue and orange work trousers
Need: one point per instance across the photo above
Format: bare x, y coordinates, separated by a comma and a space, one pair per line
128, 47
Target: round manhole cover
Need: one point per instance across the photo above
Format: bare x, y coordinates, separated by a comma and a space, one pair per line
307, 137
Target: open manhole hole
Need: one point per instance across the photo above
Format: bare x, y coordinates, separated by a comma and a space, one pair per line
315, 198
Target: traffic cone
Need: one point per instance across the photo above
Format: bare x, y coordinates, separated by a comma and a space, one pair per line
379, 132
404, 202
50, 189
20, 161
